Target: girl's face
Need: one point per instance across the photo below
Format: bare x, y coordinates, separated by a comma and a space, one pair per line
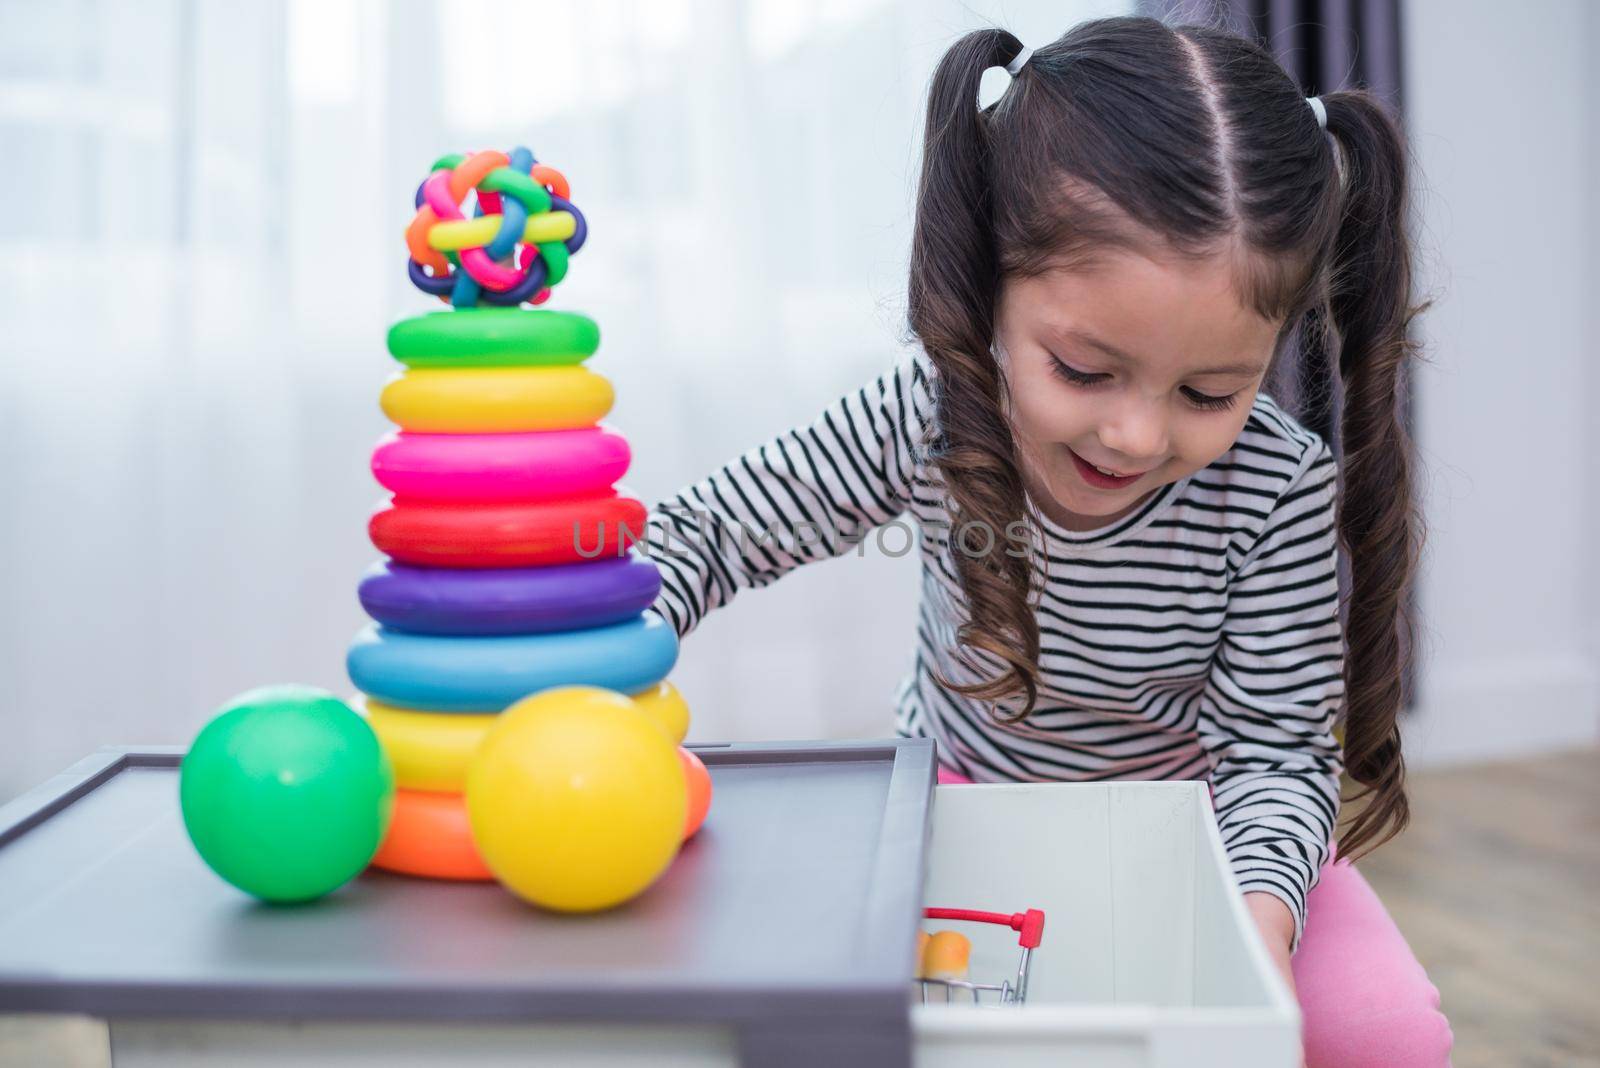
1126, 376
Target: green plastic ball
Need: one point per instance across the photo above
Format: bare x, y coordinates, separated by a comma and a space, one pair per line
286, 794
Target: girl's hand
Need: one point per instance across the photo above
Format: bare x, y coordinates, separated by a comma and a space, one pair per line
1276, 924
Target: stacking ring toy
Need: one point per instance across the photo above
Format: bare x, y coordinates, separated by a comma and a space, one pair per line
528, 600
543, 466
431, 837
429, 750
516, 247
517, 534
487, 674
494, 337
496, 400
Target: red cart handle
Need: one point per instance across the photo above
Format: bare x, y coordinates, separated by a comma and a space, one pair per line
1029, 924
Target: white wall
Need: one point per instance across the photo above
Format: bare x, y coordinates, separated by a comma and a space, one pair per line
1591, 304
182, 463
1501, 109
1591, 300
192, 315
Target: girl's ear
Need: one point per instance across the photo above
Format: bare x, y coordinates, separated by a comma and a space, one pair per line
1369, 300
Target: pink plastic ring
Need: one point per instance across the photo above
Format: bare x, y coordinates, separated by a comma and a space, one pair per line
436, 191
533, 466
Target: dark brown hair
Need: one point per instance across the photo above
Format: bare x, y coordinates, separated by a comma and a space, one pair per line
1130, 133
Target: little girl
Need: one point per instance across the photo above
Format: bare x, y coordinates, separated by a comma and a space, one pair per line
1129, 554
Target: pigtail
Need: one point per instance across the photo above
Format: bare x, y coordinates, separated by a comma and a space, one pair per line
1369, 303
954, 284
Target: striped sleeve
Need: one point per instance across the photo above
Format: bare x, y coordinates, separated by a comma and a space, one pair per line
1267, 712
809, 494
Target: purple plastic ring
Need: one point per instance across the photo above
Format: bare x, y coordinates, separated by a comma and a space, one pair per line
520, 600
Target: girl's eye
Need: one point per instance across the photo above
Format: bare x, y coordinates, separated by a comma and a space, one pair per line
1068, 373
1207, 401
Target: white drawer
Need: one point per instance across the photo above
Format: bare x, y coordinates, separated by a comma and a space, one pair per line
1148, 957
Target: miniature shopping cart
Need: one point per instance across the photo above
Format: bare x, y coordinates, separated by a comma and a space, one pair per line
1029, 926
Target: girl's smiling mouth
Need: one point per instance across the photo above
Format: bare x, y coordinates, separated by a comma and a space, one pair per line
1101, 478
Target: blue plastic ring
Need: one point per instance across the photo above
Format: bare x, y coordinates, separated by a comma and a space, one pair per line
488, 674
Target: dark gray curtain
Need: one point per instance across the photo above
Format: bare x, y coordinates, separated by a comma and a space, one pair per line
1325, 45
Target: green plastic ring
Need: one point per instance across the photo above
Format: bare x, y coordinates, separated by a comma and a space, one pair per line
494, 337
532, 195
555, 258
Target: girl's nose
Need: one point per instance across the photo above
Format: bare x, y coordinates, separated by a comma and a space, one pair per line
1137, 432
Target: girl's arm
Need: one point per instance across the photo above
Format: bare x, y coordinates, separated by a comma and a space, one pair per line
810, 494
1267, 712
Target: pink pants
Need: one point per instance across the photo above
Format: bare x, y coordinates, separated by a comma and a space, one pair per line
1364, 999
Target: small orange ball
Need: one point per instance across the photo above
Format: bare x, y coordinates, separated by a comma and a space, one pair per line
694, 770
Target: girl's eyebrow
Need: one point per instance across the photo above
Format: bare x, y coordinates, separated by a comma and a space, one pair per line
1243, 368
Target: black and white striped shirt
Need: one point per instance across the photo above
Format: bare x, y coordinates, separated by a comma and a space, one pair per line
1197, 637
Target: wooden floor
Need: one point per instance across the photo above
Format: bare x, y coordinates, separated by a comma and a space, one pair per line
1497, 887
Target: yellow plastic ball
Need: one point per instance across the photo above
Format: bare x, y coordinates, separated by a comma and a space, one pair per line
667, 707
577, 800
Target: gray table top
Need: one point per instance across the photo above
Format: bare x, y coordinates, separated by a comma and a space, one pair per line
802, 893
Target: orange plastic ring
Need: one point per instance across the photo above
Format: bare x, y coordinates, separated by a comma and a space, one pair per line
551, 179
474, 169
417, 241
429, 836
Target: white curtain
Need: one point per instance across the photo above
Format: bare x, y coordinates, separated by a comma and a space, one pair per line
200, 252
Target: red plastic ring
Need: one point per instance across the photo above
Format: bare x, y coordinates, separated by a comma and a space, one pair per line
519, 534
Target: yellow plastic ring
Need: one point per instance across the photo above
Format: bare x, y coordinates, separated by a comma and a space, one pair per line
666, 705
494, 400
429, 750
473, 233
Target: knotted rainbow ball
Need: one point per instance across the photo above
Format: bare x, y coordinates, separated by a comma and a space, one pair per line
516, 245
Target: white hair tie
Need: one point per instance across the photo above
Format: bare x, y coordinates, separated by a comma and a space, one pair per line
1319, 110
1018, 60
